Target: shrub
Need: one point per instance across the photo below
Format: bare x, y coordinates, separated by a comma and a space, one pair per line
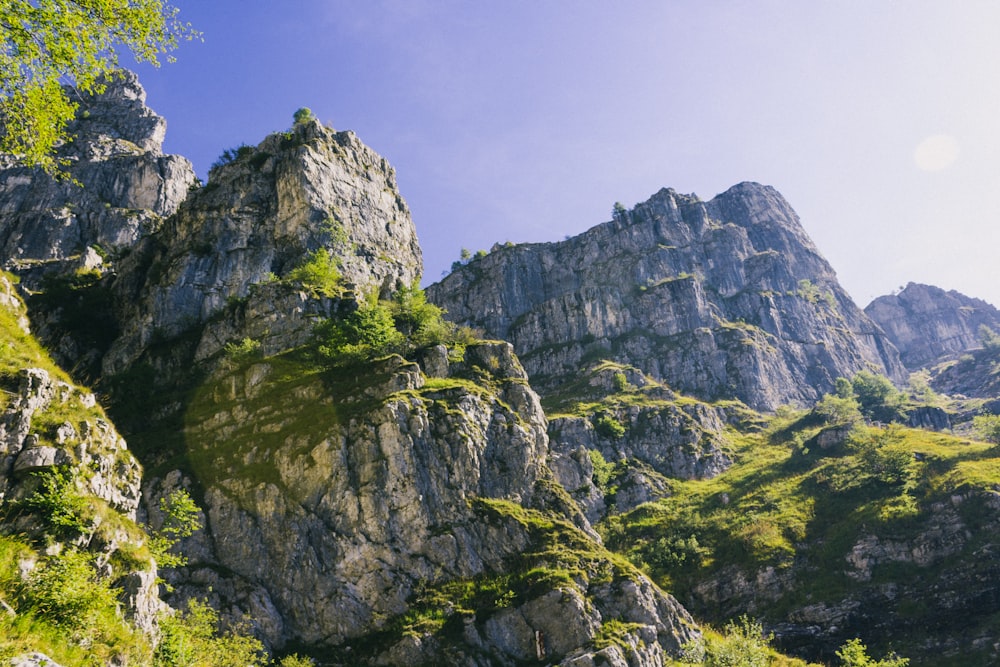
367, 333
989, 338
987, 427
319, 274
838, 411
854, 654
878, 451
420, 323
877, 396
603, 470
180, 520
244, 349
56, 500
743, 645
608, 426
192, 639
231, 155
303, 115
66, 591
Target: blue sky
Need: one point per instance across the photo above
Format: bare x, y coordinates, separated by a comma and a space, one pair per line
526, 120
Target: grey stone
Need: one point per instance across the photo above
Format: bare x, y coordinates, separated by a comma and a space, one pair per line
721, 299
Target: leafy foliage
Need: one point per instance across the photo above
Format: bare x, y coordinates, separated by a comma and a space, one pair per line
989, 338
877, 397
244, 349
882, 456
367, 333
376, 328
744, 644
58, 503
67, 591
854, 654
45, 42
838, 411
180, 520
231, 155
319, 274
419, 322
303, 115
987, 427
192, 639
608, 426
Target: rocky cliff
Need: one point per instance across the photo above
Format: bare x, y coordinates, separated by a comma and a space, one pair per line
347, 511
69, 495
118, 186
928, 324
215, 271
721, 299
378, 512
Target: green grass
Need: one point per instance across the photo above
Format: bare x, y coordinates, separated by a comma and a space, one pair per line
92, 636
787, 504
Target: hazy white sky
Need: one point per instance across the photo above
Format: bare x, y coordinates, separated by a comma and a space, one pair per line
525, 120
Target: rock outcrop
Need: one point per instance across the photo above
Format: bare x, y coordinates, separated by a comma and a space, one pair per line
337, 499
928, 324
120, 187
721, 299
217, 269
66, 473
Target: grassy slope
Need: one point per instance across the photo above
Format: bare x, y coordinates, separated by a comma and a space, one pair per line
800, 510
94, 632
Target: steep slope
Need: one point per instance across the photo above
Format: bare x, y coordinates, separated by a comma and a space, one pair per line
342, 502
343, 499
215, 271
884, 534
928, 324
721, 299
120, 187
72, 557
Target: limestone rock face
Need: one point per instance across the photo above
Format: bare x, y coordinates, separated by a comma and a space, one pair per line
48, 423
332, 498
121, 186
927, 323
260, 216
725, 298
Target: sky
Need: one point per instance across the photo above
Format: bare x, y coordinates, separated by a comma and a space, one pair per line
526, 120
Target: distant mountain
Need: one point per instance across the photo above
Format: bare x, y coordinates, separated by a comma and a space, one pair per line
721, 299
928, 324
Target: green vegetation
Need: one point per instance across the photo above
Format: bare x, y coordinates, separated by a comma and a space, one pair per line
244, 349
742, 643
231, 155
58, 504
319, 274
989, 338
193, 639
987, 427
854, 654
303, 115
64, 609
376, 328
46, 43
877, 398
796, 509
608, 426
180, 520
813, 294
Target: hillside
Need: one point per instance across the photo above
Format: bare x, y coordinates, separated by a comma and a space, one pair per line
690, 424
